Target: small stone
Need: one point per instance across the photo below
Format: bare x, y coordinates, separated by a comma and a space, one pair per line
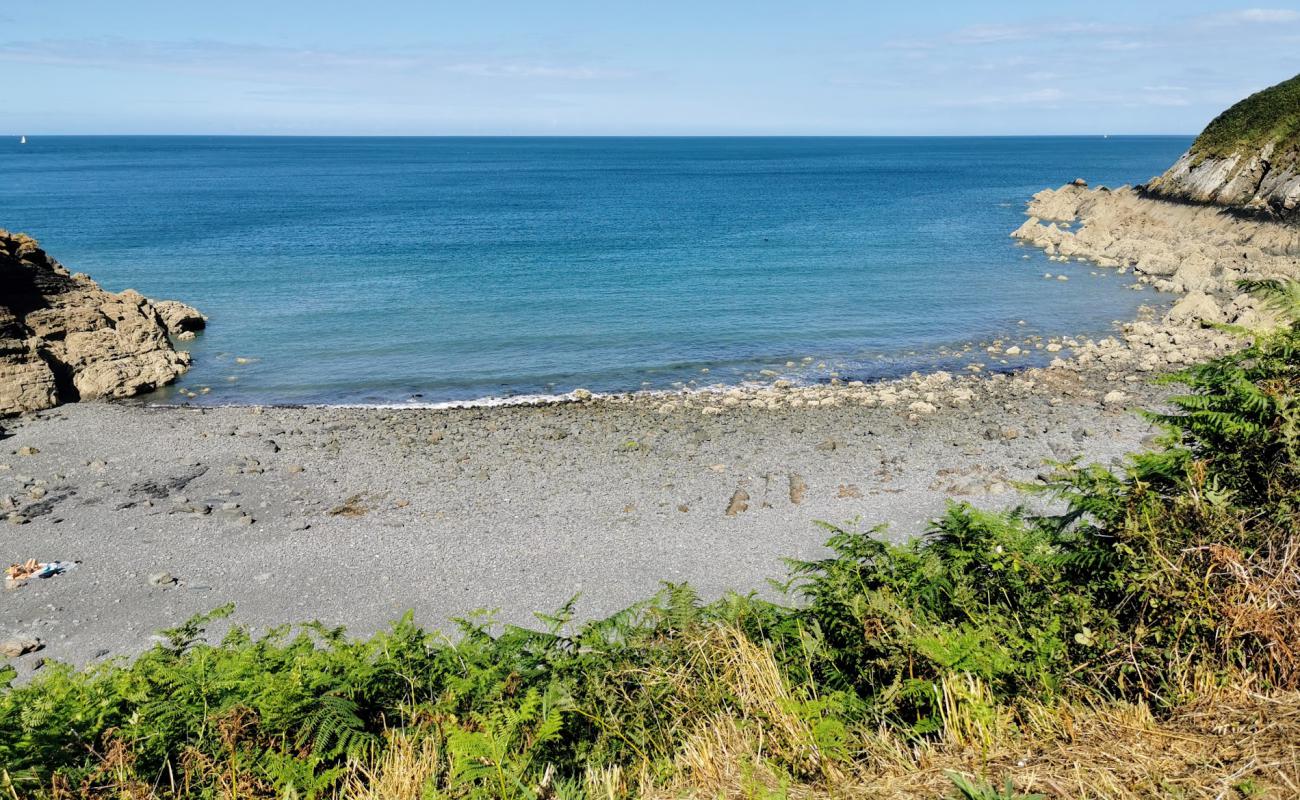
295, 469
20, 646
162, 579
27, 450
798, 488
582, 395
739, 503
1114, 398
848, 490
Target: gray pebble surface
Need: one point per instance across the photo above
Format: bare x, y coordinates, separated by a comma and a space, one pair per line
353, 516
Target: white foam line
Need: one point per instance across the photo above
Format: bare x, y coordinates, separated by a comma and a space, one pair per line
500, 402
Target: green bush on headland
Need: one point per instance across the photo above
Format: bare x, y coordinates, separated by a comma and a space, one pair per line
1271, 115
994, 641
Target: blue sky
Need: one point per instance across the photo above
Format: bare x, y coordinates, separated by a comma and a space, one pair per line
621, 67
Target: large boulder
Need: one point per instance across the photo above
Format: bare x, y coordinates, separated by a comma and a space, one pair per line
1195, 308
63, 338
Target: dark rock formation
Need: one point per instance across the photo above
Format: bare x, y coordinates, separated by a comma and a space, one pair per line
63, 338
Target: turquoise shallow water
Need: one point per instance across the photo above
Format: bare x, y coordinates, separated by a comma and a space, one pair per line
392, 270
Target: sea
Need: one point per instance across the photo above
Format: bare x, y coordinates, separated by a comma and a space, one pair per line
425, 271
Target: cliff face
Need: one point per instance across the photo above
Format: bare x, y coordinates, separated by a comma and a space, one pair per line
1248, 158
63, 338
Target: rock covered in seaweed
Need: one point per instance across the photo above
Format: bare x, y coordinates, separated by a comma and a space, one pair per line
63, 338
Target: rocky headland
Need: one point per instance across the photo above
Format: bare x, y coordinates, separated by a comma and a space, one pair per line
1247, 159
63, 338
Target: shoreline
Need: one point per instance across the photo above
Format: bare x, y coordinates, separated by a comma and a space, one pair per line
1061, 223
353, 515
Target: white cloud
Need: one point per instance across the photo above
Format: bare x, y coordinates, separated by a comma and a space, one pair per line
523, 70
1044, 98
1122, 45
993, 33
1253, 16
332, 69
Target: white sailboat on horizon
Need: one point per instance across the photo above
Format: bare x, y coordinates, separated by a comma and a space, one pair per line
22, 140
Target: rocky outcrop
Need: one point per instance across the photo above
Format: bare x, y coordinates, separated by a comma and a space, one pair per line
63, 338
1174, 247
1247, 159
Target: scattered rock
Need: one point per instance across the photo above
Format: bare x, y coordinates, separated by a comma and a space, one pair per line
739, 503
1195, 308
798, 488
352, 507
20, 646
162, 579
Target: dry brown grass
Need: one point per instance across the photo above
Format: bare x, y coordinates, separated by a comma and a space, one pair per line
1227, 742
1218, 747
401, 773
1260, 601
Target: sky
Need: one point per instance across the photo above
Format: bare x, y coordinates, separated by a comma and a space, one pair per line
625, 67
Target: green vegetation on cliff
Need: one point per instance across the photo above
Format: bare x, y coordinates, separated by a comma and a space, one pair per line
1272, 115
1145, 642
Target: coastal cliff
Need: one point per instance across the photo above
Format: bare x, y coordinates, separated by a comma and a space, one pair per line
1247, 158
63, 338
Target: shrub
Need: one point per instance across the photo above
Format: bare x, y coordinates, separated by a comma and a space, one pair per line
1183, 565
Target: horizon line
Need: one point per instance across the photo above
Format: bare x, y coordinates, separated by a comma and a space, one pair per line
610, 135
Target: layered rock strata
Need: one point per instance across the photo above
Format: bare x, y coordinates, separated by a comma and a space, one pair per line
1246, 159
63, 338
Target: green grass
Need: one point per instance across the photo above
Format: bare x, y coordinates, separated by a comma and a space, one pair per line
1272, 115
1158, 586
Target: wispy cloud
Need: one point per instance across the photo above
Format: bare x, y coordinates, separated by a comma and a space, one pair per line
525, 70
196, 56
994, 33
1045, 98
294, 65
1252, 16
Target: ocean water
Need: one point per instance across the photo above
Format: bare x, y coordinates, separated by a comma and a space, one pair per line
398, 270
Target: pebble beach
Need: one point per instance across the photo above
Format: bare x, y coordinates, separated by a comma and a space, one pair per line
353, 516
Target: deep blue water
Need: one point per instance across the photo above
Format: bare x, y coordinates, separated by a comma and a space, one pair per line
382, 269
